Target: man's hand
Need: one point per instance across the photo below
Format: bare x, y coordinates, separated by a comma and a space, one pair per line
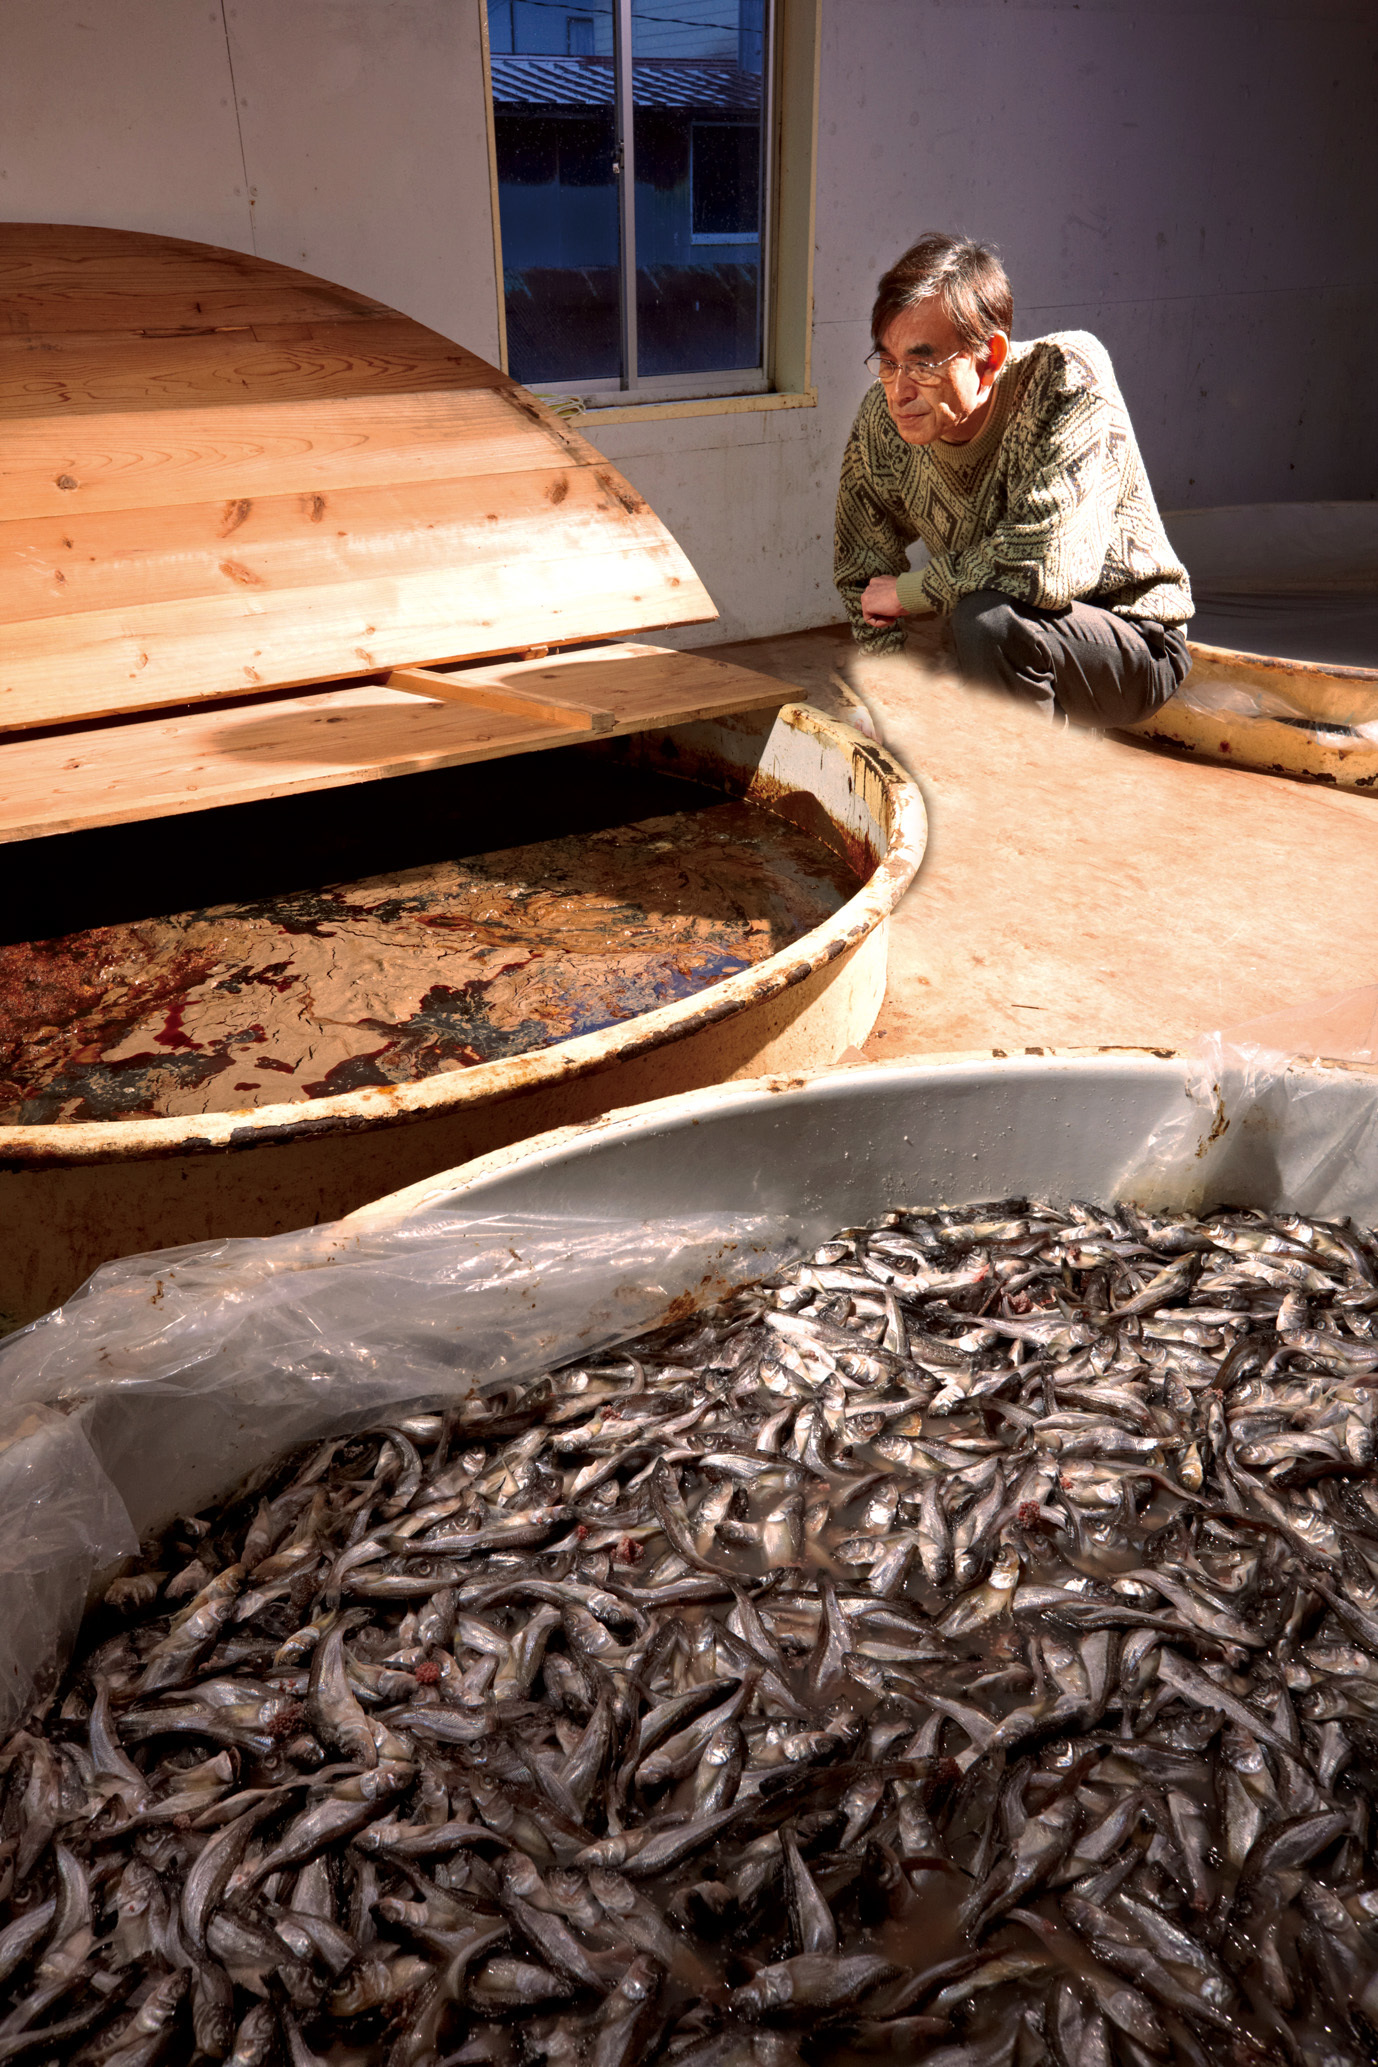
880, 600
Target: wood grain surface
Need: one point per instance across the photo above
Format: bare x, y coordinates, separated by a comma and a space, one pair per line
521, 702
219, 475
69, 566
314, 360
150, 767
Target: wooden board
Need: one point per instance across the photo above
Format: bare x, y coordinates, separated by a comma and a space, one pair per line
80, 565
164, 654
218, 475
151, 767
78, 373
515, 699
142, 465
58, 277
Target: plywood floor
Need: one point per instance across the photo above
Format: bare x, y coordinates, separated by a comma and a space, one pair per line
1078, 890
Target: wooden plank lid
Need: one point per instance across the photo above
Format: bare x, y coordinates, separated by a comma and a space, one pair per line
218, 476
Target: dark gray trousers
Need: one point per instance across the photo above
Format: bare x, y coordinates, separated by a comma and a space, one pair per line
1083, 663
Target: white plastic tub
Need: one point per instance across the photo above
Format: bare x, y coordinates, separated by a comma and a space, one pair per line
175, 1375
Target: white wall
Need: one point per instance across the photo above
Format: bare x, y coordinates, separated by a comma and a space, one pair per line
1195, 180
344, 136
120, 114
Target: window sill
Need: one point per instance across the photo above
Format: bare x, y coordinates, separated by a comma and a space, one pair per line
705, 405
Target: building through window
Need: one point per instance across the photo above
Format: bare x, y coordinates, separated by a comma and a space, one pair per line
632, 156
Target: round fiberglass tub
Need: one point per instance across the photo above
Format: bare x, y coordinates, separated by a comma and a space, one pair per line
1284, 641
77, 1193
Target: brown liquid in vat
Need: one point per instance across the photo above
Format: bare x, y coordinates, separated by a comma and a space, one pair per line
404, 974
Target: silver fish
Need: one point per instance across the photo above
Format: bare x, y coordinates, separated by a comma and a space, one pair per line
994, 1557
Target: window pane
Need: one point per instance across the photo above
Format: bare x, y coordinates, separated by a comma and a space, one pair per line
553, 124
697, 83
724, 181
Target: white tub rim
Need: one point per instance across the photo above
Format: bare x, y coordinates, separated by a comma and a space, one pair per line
962, 1068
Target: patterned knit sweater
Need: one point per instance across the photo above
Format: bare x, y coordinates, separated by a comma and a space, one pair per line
1049, 502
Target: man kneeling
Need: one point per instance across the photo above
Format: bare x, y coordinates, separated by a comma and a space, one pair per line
1016, 465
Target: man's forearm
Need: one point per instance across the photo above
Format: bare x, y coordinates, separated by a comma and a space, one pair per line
868, 549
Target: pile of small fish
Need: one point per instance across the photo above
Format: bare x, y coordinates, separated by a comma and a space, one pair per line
961, 1650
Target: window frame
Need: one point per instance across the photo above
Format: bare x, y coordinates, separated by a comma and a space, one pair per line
790, 81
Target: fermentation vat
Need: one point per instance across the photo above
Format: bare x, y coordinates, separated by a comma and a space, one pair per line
1284, 640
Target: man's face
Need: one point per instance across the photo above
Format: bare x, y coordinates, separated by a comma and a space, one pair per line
954, 409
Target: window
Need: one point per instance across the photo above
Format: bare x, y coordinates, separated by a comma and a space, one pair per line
632, 140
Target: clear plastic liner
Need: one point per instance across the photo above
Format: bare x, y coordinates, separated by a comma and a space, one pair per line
1212, 696
1246, 1092
170, 1378
60, 1520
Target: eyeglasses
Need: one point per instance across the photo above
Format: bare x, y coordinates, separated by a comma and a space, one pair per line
924, 373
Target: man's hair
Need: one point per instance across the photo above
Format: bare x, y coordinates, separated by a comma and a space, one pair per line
968, 279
